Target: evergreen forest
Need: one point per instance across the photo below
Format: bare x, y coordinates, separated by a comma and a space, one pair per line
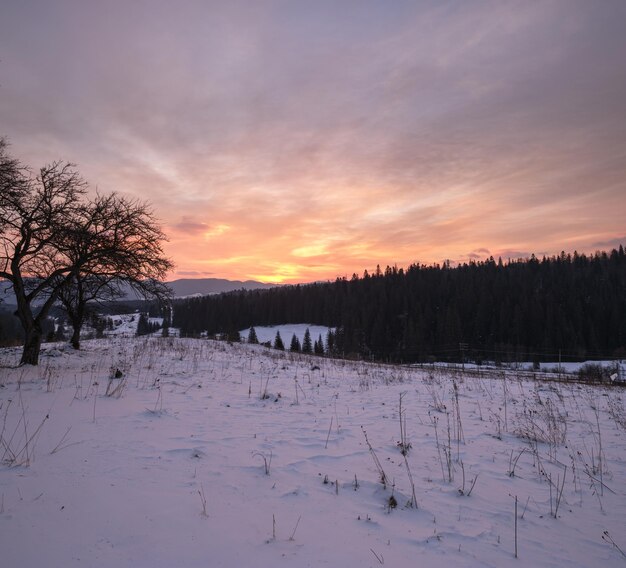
567, 307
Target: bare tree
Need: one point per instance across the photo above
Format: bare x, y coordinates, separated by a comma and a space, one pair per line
116, 247
33, 240
82, 292
52, 242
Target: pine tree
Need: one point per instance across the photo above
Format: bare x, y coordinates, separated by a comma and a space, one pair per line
233, 336
252, 338
278, 342
143, 325
330, 342
167, 321
318, 348
506, 309
307, 345
295, 343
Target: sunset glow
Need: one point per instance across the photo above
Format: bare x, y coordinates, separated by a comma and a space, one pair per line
301, 141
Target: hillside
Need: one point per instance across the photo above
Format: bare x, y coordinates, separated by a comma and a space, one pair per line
202, 453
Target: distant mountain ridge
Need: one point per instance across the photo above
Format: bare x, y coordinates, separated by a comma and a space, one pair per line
183, 287
205, 286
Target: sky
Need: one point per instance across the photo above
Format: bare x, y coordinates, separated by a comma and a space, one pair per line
293, 141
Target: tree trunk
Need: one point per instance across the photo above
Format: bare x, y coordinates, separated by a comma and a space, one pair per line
33, 333
32, 347
75, 341
76, 315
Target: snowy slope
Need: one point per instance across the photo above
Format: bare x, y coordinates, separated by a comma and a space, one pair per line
206, 454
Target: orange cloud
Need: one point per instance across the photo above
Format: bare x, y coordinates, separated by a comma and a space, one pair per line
299, 141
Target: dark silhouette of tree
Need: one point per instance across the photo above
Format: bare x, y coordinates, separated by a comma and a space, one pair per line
167, 321
295, 343
57, 247
252, 338
330, 342
318, 346
307, 346
527, 310
116, 247
233, 336
34, 239
143, 325
11, 331
278, 342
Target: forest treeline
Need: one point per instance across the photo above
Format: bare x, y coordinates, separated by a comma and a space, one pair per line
570, 305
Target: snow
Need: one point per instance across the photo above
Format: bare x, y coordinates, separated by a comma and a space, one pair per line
170, 468
287, 331
124, 324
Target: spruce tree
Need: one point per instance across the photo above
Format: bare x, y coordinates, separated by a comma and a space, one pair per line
295, 343
278, 342
307, 345
143, 325
330, 342
252, 338
318, 348
166, 329
233, 336
524, 310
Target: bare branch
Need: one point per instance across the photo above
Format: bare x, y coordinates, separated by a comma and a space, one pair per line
55, 246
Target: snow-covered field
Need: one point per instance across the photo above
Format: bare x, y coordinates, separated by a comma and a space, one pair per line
209, 454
